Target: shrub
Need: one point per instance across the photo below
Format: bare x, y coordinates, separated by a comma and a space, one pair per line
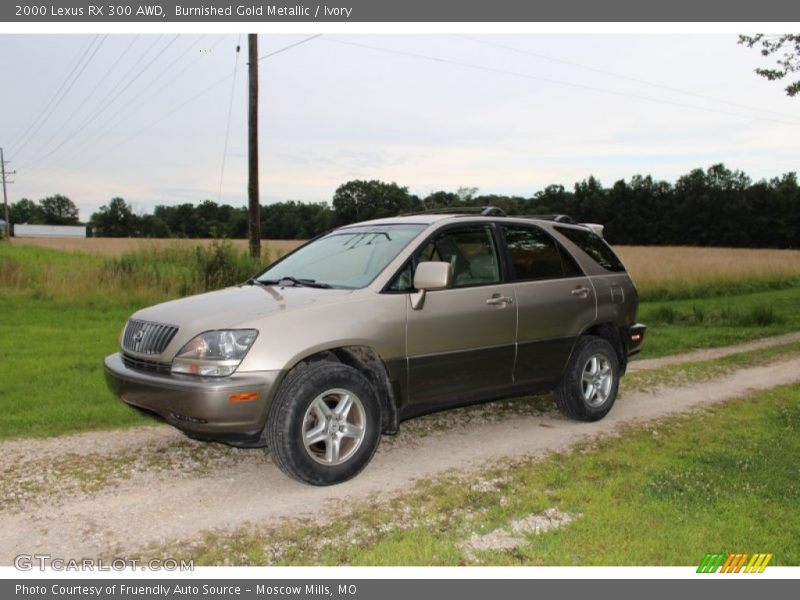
759, 316
178, 270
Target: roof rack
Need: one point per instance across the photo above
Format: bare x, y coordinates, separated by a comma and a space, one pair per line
493, 211
557, 218
484, 211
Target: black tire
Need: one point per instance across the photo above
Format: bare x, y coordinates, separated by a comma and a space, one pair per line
288, 423
571, 392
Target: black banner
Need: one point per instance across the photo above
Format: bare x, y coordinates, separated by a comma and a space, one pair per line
401, 11
732, 588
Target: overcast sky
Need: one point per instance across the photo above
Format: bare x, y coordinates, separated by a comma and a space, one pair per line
144, 117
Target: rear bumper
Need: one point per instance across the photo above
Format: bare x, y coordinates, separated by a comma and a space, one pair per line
633, 335
200, 406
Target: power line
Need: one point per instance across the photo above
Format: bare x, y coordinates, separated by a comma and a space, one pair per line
517, 74
109, 97
78, 58
166, 69
204, 91
65, 93
88, 96
112, 118
60, 97
110, 122
228, 125
619, 75
105, 100
289, 47
98, 106
106, 104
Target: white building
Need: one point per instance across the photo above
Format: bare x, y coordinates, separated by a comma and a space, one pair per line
70, 231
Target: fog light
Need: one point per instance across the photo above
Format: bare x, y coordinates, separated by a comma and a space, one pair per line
189, 419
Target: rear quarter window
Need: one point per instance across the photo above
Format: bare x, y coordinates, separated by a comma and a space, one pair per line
595, 246
534, 255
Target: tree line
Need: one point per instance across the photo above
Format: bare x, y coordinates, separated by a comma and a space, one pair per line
712, 207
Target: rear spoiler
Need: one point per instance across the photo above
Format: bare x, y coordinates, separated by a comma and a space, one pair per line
595, 227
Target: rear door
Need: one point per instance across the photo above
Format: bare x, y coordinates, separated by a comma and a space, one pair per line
460, 344
555, 302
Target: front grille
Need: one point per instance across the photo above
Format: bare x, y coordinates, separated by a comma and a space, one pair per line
149, 366
144, 337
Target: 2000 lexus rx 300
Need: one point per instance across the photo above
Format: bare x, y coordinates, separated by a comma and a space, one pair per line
374, 323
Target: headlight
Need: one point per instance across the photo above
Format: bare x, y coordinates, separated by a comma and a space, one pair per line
214, 353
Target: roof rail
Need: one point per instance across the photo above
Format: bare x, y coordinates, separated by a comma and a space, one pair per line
557, 218
484, 211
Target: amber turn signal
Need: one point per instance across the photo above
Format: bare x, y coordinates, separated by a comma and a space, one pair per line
244, 397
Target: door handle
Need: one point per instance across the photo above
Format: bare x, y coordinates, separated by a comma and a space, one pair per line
581, 291
498, 300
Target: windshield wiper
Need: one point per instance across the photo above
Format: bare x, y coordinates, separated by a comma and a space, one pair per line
296, 281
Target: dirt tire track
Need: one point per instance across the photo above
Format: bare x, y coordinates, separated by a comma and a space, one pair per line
130, 516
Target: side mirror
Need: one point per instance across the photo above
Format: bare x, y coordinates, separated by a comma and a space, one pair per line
433, 275
430, 276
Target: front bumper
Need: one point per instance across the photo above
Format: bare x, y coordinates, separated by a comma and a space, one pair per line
201, 406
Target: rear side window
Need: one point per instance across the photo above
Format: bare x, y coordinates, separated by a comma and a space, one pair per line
535, 255
594, 246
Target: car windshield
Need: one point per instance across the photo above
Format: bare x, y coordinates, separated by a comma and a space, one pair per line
349, 258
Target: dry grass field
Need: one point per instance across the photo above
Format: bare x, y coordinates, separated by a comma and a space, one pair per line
649, 265
119, 246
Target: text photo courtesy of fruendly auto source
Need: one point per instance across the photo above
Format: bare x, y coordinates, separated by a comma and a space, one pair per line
339, 299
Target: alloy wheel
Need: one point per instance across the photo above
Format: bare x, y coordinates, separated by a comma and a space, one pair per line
334, 426
597, 379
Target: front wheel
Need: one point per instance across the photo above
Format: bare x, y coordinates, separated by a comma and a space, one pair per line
324, 423
590, 384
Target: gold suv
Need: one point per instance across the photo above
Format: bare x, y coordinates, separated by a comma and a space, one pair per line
376, 322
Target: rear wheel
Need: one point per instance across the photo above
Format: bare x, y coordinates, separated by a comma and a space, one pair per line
590, 384
324, 423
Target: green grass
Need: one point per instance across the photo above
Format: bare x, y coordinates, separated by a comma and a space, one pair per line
662, 493
51, 367
62, 313
682, 325
716, 288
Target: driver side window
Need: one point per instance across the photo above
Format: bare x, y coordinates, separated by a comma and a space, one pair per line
470, 250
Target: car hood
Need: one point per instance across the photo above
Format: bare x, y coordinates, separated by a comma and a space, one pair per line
237, 306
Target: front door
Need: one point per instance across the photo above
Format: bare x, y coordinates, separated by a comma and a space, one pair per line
461, 342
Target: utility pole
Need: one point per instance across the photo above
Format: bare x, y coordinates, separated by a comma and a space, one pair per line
252, 145
7, 231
